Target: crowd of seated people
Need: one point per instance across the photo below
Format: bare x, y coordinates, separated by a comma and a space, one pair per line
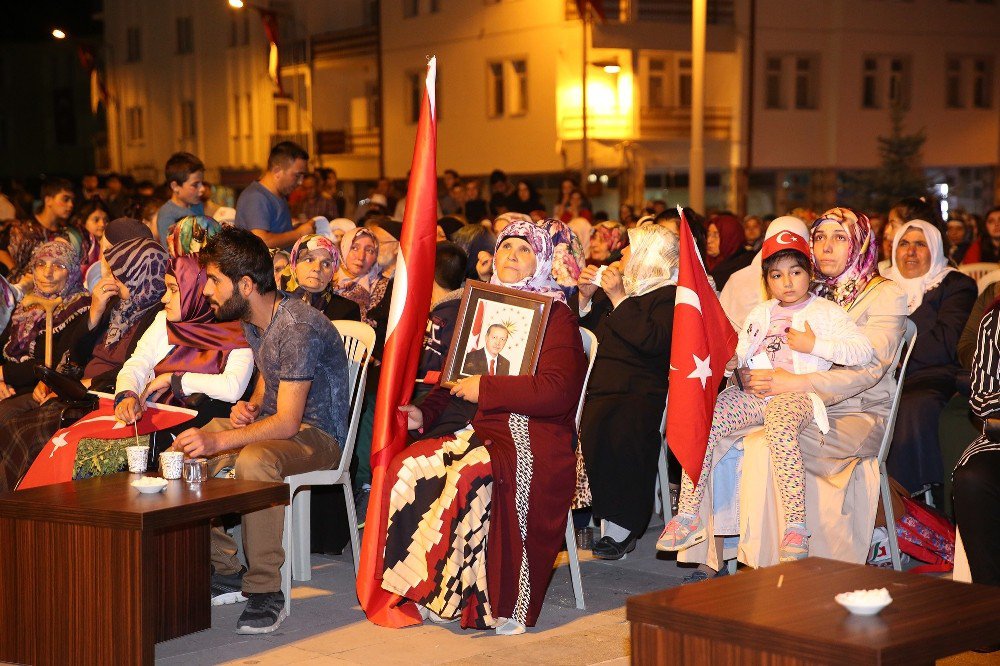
152, 300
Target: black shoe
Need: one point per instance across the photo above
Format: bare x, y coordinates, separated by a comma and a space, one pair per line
228, 588
263, 614
609, 549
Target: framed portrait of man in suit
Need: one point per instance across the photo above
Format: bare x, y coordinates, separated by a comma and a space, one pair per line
499, 332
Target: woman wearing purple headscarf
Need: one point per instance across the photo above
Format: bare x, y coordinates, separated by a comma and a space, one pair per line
479, 539
841, 467
55, 269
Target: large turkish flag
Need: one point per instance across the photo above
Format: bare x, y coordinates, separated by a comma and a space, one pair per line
703, 341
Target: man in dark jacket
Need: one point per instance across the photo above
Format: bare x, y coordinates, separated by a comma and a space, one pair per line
446, 297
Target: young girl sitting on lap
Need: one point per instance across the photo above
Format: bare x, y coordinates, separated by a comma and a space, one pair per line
800, 333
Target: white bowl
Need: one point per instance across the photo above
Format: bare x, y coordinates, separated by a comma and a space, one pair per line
149, 484
861, 607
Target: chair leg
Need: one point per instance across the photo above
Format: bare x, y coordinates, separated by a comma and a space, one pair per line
664, 479
301, 514
574, 563
352, 522
287, 543
890, 519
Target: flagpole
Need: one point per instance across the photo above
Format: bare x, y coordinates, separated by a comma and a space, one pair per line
696, 172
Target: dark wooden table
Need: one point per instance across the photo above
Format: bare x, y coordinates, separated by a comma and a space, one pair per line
93, 572
748, 619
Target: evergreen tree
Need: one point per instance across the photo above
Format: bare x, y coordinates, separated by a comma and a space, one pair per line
900, 173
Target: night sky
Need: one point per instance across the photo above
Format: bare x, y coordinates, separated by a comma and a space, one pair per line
33, 21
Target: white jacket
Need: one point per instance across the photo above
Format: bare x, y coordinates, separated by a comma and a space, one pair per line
838, 340
153, 347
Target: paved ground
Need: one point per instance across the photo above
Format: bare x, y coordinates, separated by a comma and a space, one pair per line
327, 626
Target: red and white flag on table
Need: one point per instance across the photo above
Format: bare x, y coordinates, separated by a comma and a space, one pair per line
703, 341
411, 303
56, 461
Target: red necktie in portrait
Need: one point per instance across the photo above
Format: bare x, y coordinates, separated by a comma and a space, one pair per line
493, 368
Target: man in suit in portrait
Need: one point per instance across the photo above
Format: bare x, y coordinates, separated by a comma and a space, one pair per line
488, 361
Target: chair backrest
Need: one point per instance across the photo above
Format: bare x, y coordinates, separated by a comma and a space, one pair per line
359, 341
978, 270
909, 339
590, 349
987, 280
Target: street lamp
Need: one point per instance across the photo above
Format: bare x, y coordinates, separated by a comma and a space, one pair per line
58, 34
236, 4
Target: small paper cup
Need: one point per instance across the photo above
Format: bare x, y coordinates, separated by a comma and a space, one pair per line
138, 458
171, 464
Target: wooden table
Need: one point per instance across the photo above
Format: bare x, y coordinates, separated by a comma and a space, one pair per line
93, 572
748, 619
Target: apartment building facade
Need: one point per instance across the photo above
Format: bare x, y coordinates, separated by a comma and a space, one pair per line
797, 92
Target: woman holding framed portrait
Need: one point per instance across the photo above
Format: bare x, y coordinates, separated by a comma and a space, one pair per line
477, 517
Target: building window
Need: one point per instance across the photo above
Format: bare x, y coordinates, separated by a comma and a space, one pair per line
495, 90
806, 82
433, 6
507, 88
411, 8
185, 34
982, 79
249, 123
899, 82
953, 83
234, 31
133, 45
281, 121
246, 28
655, 84
235, 119
684, 90
133, 124
519, 88
772, 84
869, 84
189, 128
415, 92
968, 82
885, 81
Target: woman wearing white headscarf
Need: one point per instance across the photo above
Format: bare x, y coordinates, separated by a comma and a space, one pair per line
939, 300
620, 430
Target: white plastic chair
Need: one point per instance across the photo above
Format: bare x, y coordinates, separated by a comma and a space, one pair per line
978, 270
662, 503
988, 279
359, 340
909, 339
590, 348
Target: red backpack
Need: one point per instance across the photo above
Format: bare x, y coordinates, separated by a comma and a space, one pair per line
927, 535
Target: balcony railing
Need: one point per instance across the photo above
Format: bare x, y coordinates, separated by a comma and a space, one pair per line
301, 138
348, 142
674, 122
719, 12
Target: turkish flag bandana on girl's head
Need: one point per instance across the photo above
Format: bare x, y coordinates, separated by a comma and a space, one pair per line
786, 240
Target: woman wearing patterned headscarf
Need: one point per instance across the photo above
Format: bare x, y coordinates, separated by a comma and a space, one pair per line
482, 545
620, 430
56, 272
939, 300
121, 309
359, 278
568, 259
841, 475
606, 242
313, 262
189, 234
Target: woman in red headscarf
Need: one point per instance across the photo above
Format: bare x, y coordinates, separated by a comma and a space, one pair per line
724, 248
195, 361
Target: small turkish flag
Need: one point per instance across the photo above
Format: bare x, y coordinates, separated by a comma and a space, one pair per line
702, 343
